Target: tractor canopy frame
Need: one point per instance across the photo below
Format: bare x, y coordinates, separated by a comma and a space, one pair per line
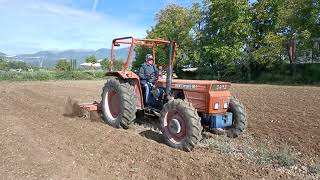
139, 42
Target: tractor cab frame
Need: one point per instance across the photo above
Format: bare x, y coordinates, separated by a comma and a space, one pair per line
133, 77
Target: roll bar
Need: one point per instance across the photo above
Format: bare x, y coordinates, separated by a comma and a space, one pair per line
139, 42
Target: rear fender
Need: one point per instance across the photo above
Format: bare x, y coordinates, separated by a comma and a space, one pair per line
134, 80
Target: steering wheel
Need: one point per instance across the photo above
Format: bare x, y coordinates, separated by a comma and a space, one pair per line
152, 77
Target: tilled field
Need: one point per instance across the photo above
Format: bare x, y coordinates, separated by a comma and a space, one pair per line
283, 115
38, 142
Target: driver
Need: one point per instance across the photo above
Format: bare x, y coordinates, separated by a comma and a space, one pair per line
148, 73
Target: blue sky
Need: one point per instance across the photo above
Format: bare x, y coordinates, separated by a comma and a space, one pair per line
28, 26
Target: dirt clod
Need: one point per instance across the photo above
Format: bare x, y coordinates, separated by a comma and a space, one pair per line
72, 108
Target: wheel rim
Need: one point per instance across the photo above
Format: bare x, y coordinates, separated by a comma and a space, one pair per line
112, 105
175, 127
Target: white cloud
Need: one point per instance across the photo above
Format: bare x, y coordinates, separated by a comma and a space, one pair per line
47, 25
94, 6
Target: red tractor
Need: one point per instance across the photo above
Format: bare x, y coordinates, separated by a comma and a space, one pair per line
184, 107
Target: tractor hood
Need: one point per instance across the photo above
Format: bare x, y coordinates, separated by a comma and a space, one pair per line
198, 85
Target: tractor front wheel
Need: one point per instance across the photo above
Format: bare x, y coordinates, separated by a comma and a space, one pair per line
239, 121
118, 104
180, 125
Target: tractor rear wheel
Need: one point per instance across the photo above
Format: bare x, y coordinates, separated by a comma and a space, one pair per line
118, 104
239, 123
180, 125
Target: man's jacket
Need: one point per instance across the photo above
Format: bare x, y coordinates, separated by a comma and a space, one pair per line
147, 72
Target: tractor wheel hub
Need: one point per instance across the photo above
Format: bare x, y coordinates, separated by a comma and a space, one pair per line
175, 126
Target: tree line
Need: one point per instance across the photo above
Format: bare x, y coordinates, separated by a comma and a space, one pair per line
7, 65
62, 64
71, 64
236, 38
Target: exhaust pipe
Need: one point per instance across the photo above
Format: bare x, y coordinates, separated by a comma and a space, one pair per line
169, 72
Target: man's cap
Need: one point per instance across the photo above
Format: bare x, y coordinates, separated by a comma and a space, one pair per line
149, 56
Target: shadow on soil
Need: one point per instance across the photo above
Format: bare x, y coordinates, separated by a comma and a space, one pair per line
148, 126
153, 135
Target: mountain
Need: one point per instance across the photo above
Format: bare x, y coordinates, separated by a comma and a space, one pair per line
121, 53
2, 54
48, 59
102, 53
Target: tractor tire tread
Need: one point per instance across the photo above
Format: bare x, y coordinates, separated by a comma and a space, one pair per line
127, 100
194, 128
240, 118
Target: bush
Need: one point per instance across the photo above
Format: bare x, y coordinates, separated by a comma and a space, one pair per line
51, 75
291, 74
63, 65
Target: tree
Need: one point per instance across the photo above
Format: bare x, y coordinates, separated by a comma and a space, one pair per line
173, 23
300, 17
117, 64
105, 63
17, 65
91, 59
225, 32
3, 63
265, 45
63, 65
235, 36
277, 22
73, 63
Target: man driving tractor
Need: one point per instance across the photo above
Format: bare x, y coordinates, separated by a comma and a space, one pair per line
148, 74
184, 107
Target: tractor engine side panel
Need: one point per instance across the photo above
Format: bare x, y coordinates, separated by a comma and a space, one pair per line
198, 99
204, 101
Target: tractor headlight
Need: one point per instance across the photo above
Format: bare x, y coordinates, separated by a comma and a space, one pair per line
216, 106
225, 105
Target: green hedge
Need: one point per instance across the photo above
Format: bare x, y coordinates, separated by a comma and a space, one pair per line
276, 74
51, 75
290, 74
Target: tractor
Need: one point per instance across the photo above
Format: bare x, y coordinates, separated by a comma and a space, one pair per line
184, 107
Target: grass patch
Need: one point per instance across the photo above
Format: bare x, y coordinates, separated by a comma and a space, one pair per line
222, 147
282, 157
52, 75
315, 169
225, 146
262, 155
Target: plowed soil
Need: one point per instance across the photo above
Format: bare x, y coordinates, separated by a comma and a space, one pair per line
38, 142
